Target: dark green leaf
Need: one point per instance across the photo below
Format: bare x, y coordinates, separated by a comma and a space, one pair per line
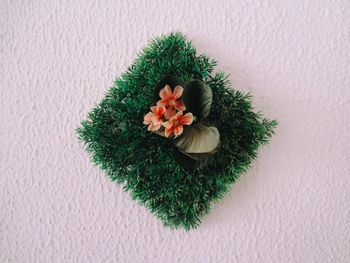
200, 156
186, 161
198, 97
198, 139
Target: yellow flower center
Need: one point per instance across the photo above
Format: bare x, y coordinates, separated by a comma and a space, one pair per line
176, 123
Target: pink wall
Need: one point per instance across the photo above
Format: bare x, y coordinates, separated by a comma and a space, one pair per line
57, 59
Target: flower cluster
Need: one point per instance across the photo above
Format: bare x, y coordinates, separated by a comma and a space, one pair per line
168, 113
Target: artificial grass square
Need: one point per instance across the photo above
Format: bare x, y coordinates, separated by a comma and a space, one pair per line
143, 163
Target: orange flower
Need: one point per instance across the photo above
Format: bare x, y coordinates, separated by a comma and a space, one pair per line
175, 124
170, 100
154, 118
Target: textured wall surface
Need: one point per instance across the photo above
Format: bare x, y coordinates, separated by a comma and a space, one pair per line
58, 58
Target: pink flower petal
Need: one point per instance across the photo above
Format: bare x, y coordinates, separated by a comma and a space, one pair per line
154, 109
156, 121
178, 115
150, 127
187, 119
178, 92
169, 113
165, 92
147, 118
178, 130
162, 103
156, 127
180, 105
168, 124
161, 110
168, 132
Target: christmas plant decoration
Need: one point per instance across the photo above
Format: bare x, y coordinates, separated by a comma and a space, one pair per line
173, 132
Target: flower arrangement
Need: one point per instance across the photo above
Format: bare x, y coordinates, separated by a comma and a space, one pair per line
173, 133
170, 108
195, 144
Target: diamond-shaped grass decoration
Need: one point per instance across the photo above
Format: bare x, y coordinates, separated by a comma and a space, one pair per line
143, 163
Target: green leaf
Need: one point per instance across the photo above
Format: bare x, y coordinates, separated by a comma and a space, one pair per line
198, 97
186, 161
170, 80
199, 156
198, 139
196, 145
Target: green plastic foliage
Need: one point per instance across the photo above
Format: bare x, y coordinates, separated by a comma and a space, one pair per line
190, 161
143, 162
198, 142
198, 138
198, 97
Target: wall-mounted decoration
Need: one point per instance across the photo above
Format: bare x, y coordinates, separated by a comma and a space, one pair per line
173, 133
